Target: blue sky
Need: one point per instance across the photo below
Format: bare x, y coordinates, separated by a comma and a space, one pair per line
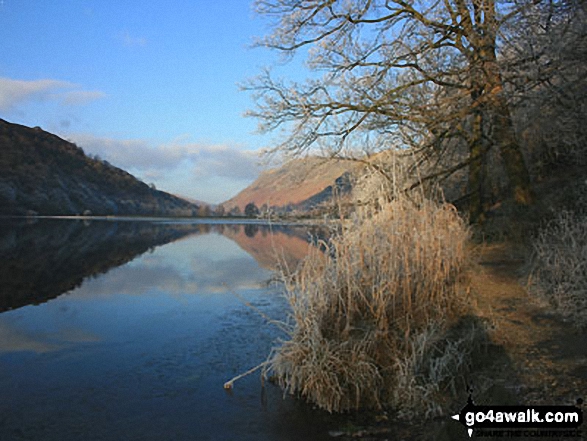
151, 86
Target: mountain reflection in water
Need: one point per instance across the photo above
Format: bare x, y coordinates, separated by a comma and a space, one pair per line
128, 330
42, 259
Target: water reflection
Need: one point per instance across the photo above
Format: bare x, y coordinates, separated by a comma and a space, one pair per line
15, 340
41, 260
128, 330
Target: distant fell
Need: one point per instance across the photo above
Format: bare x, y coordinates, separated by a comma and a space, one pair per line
40, 173
302, 183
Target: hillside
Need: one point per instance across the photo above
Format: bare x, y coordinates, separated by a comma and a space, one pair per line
43, 174
300, 183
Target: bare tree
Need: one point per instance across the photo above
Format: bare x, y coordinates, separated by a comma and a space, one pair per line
220, 211
422, 74
544, 62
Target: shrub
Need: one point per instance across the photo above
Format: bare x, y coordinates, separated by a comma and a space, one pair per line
559, 272
367, 308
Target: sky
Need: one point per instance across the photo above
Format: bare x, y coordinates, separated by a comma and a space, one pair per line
150, 86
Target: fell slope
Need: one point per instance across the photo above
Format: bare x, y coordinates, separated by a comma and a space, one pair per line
300, 183
41, 173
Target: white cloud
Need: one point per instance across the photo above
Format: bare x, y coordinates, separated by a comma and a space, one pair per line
13, 92
225, 161
132, 153
212, 173
77, 97
16, 92
206, 160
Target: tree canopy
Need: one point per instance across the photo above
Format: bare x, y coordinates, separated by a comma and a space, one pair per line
251, 210
436, 80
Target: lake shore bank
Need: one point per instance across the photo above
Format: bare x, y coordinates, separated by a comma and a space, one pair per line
532, 356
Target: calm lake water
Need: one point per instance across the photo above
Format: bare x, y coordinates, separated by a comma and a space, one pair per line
127, 330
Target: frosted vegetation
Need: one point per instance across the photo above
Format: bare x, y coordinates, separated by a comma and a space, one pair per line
559, 272
369, 306
483, 99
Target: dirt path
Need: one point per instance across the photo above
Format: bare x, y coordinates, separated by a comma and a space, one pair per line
533, 357
547, 358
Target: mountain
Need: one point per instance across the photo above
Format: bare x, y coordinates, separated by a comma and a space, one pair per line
299, 184
43, 174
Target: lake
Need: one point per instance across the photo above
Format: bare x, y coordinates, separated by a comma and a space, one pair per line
127, 330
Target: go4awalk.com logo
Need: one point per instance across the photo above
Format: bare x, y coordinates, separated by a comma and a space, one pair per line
516, 421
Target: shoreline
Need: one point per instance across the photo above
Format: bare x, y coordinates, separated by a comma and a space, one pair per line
177, 220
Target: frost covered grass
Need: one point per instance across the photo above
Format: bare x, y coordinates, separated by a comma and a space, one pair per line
369, 308
559, 270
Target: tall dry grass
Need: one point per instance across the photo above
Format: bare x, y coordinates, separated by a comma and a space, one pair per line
368, 308
559, 272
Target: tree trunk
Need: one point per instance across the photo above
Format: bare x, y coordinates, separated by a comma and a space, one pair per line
477, 169
487, 82
515, 166
504, 136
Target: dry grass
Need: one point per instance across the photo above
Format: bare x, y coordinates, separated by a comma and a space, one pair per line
559, 272
432, 370
367, 310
